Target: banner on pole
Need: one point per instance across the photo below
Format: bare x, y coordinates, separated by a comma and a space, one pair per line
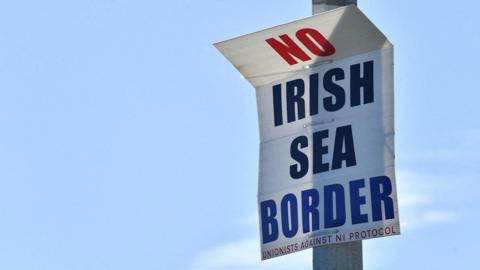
324, 88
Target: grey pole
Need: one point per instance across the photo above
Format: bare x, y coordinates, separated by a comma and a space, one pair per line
346, 256
324, 5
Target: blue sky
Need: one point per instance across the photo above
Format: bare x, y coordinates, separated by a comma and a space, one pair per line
128, 142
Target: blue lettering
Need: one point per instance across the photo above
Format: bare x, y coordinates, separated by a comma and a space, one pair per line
332, 208
310, 202
268, 211
356, 201
295, 91
357, 83
299, 170
313, 94
277, 104
329, 103
319, 150
380, 195
343, 140
289, 215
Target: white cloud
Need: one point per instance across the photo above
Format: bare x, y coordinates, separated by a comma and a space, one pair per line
451, 150
439, 216
420, 198
250, 220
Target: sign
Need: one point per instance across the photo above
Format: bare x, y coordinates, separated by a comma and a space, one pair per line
324, 88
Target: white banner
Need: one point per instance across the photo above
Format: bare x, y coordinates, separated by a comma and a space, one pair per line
324, 88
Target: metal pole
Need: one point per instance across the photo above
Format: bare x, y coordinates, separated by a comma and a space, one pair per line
324, 5
347, 256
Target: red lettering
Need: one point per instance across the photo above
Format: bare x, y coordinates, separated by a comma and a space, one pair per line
287, 49
307, 34
315, 42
